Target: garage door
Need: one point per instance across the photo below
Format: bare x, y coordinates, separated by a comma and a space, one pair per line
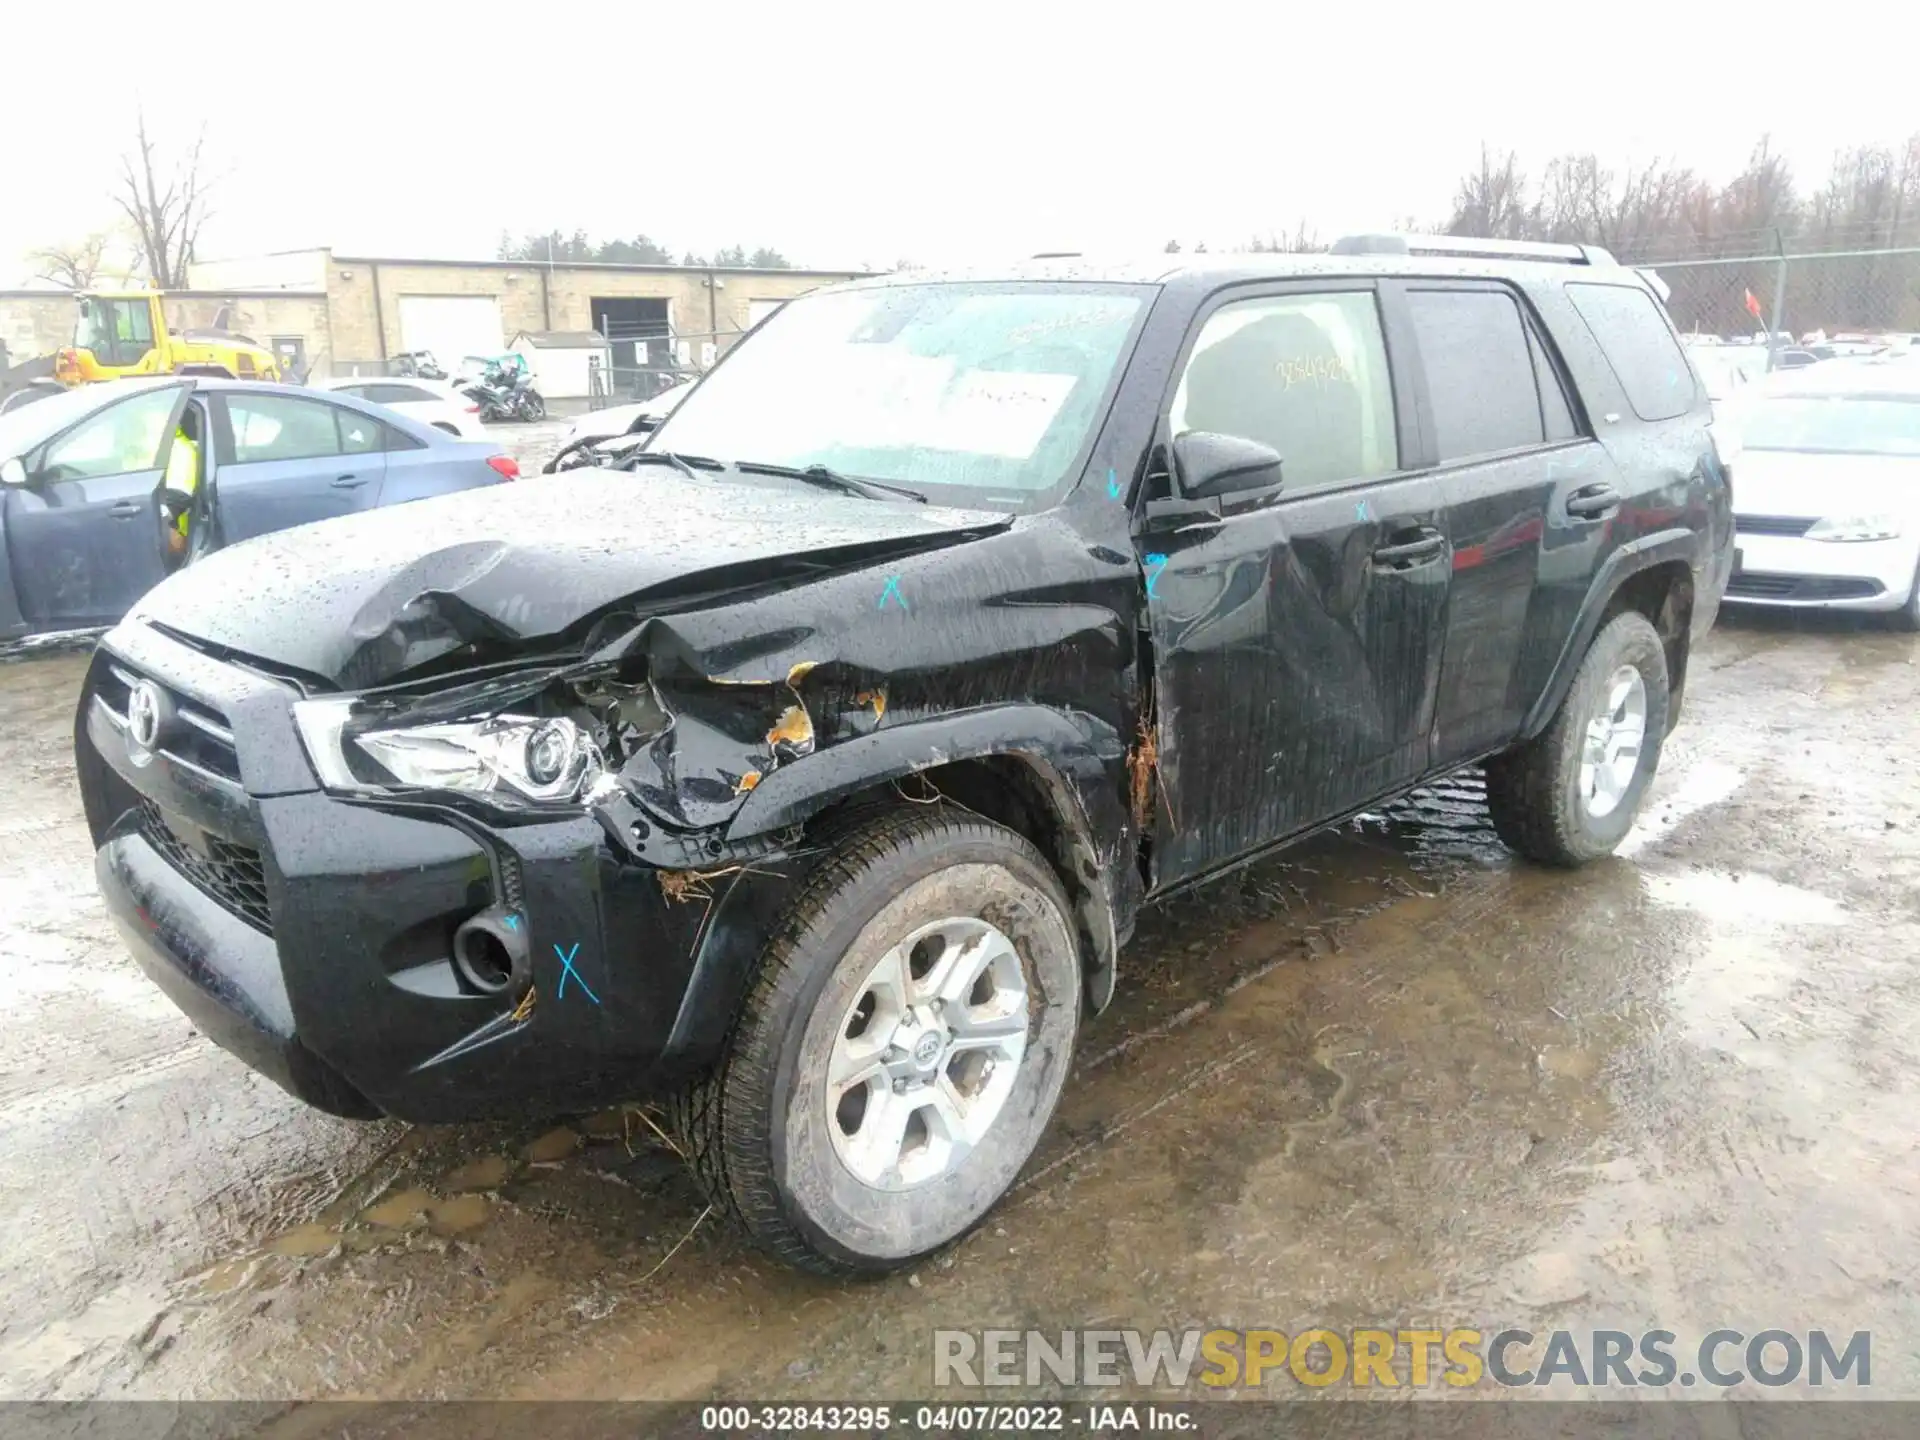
451, 326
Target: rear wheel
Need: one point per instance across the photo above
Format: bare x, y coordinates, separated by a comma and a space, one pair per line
1571, 793
900, 1050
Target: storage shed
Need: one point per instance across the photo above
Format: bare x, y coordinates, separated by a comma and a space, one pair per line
562, 359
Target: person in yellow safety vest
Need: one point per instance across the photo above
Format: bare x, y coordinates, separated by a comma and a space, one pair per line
177, 488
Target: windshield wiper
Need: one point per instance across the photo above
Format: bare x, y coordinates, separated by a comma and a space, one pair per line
832, 480
683, 463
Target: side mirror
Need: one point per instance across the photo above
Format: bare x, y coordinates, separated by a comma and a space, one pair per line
12, 472
1210, 465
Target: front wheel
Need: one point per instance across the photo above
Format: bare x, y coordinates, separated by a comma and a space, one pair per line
1571, 793
900, 1050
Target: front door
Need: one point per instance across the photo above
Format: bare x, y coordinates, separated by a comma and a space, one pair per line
84, 534
1297, 638
286, 460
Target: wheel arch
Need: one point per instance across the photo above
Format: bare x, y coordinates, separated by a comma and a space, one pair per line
1052, 776
1654, 576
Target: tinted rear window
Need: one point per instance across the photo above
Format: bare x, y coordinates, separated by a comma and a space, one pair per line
1480, 375
1634, 337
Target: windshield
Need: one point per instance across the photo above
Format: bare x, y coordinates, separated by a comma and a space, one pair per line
973, 394
1837, 424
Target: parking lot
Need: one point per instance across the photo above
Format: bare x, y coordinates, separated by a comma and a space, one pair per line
1391, 1078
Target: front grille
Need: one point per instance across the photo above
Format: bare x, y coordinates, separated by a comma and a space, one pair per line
1757, 585
200, 737
1771, 525
230, 874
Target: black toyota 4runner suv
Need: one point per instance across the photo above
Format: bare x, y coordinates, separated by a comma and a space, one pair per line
808, 770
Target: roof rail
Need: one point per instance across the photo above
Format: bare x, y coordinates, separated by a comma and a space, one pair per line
1056, 255
1468, 247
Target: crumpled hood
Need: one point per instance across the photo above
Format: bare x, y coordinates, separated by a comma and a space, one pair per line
364, 598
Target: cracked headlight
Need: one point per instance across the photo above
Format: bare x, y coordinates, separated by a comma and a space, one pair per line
517, 758
1855, 527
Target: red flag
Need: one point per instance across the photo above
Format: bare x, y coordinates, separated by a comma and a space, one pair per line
1753, 305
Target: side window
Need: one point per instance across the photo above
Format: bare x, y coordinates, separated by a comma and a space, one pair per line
276, 427
119, 440
1304, 374
358, 390
390, 393
1635, 338
359, 434
1480, 372
1554, 409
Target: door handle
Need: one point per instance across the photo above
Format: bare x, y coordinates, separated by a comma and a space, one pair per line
126, 509
348, 482
1426, 545
1592, 501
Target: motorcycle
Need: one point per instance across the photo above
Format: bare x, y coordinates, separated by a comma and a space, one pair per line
504, 392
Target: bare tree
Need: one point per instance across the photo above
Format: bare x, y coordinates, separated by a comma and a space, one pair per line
1491, 202
166, 214
72, 266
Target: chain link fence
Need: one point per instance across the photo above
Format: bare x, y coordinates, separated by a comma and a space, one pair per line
1832, 295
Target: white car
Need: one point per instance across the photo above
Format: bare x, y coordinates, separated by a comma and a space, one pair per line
1826, 491
636, 419
431, 402
1731, 375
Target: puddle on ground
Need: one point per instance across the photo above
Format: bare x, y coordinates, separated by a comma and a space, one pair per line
458, 1215
304, 1241
489, 1172
552, 1146
1743, 898
398, 1210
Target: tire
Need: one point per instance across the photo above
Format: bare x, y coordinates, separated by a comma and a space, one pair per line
760, 1130
1535, 790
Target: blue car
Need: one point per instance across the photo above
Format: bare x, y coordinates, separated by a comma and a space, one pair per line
82, 531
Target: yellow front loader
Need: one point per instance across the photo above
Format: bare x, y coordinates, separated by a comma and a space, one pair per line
119, 333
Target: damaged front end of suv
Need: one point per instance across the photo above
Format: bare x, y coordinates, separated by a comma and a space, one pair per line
579, 791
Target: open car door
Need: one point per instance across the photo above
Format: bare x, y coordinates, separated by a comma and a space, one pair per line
83, 534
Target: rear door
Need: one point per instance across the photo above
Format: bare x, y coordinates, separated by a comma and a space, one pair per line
1648, 478
1297, 636
1496, 420
289, 459
83, 536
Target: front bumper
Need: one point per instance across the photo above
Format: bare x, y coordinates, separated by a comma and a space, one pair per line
1796, 573
312, 937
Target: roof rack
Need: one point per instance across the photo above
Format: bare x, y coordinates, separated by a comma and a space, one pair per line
1468, 247
1056, 255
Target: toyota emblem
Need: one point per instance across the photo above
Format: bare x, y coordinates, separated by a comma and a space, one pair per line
146, 706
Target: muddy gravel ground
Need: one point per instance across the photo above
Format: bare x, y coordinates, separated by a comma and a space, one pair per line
1391, 1078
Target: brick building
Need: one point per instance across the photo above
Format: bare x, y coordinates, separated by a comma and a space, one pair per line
337, 313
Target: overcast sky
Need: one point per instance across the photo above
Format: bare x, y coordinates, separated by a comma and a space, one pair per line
844, 134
